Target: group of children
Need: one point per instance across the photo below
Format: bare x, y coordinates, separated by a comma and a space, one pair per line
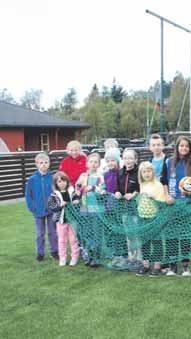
80, 177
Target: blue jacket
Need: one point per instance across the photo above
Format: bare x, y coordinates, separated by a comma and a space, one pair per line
38, 190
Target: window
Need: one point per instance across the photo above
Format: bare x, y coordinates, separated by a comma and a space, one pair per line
44, 142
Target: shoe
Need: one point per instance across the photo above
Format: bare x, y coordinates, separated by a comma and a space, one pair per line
62, 262
40, 257
155, 272
170, 273
172, 270
73, 262
55, 255
115, 260
186, 273
164, 270
87, 262
93, 263
143, 271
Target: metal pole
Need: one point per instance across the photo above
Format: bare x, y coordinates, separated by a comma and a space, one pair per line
162, 19
168, 21
162, 122
148, 118
190, 86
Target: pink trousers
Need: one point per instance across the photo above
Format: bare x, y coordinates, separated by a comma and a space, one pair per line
67, 234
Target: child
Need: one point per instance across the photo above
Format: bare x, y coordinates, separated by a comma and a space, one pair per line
156, 145
56, 203
75, 163
158, 160
150, 188
178, 166
110, 144
38, 189
88, 184
112, 159
127, 187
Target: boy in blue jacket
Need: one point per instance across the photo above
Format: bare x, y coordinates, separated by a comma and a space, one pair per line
38, 190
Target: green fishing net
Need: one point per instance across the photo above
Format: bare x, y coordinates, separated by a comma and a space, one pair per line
135, 230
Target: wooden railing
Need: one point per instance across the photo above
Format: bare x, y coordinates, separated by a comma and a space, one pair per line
16, 168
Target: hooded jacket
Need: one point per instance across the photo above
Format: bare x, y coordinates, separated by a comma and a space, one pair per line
38, 189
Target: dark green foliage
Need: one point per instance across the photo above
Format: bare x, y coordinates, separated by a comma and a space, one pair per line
117, 93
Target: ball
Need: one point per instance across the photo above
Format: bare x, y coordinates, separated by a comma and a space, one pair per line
185, 185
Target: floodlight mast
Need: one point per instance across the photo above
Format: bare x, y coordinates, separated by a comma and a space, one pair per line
162, 20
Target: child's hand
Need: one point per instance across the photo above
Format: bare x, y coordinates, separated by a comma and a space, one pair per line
87, 189
128, 196
75, 202
170, 200
118, 195
63, 203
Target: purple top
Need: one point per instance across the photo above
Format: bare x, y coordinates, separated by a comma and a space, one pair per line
110, 179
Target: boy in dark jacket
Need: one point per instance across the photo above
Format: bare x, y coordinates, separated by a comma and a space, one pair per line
38, 190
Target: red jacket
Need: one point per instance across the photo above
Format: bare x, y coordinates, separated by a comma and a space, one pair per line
73, 167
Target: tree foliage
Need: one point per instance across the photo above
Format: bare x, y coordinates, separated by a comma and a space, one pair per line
6, 96
32, 99
114, 112
179, 95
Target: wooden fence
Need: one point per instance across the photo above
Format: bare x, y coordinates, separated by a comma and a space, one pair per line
16, 168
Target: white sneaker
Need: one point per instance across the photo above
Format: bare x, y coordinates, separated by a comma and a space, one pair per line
186, 273
170, 273
73, 262
62, 262
115, 260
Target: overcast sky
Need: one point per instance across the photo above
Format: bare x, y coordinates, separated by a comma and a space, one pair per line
54, 45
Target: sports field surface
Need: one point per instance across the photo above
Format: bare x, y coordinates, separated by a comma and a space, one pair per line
45, 301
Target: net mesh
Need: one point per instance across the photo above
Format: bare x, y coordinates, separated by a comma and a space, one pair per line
120, 233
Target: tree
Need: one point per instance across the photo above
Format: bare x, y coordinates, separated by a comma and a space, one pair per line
94, 93
69, 102
32, 99
175, 103
117, 93
6, 96
93, 113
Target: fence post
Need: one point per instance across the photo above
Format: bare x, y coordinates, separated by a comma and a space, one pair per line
23, 174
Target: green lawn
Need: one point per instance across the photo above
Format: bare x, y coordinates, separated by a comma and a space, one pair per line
43, 300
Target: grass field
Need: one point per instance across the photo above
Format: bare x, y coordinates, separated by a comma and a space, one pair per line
43, 300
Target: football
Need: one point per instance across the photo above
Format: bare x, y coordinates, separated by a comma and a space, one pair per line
185, 185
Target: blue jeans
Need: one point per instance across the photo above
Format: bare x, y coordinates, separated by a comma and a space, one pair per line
40, 234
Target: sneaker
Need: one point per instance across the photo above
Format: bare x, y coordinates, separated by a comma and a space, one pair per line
172, 270
170, 273
186, 273
40, 257
62, 262
93, 263
55, 255
73, 262
164, 270
115, 260
155, 272
143, 271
